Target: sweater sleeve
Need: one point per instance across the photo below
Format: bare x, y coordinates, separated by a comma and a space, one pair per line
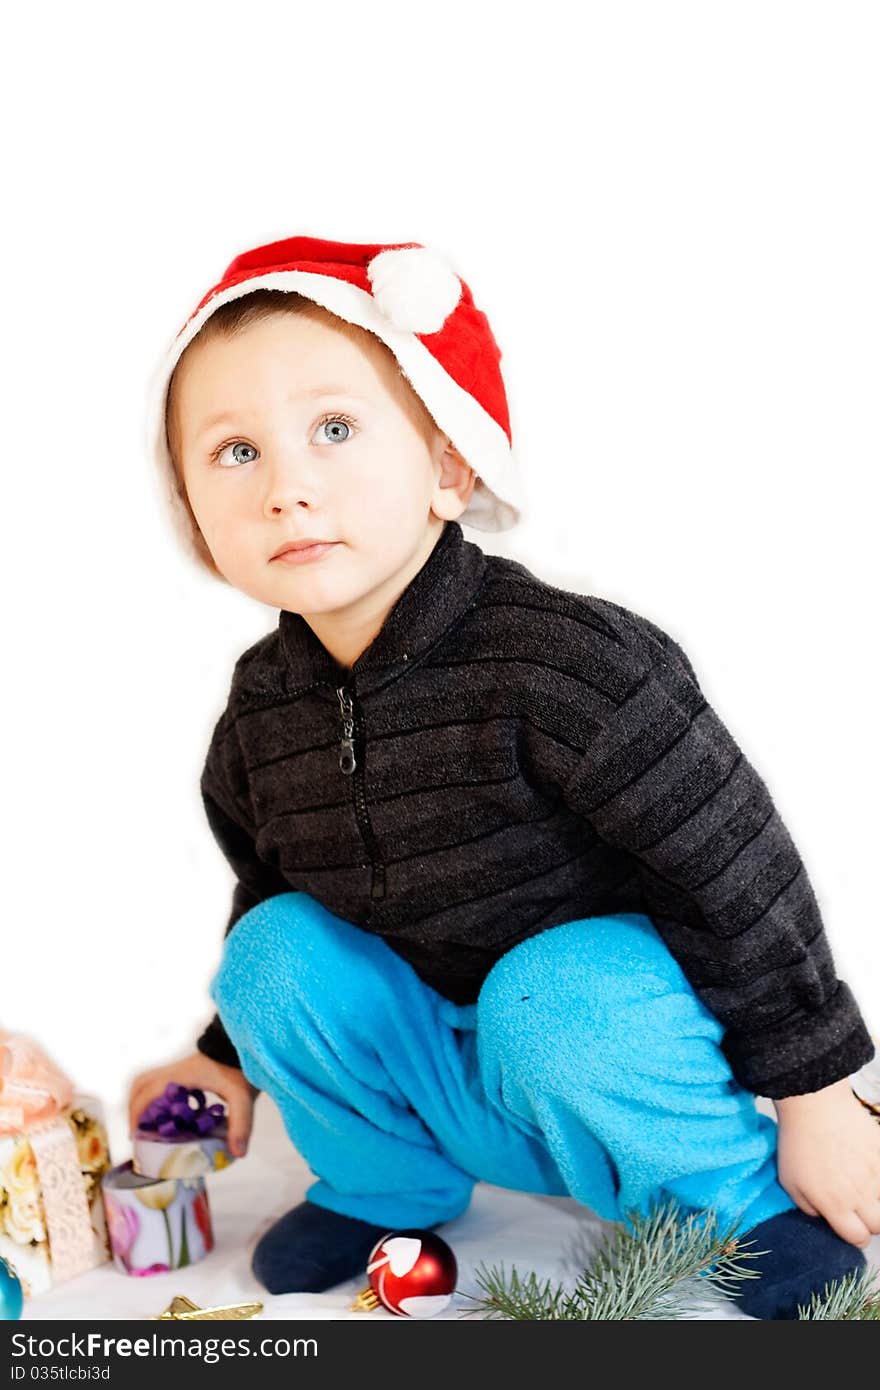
665, 781
255, 880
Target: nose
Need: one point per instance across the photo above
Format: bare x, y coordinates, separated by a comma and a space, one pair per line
291, 481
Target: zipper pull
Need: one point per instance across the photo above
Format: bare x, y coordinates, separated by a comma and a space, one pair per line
377, 883
346, 757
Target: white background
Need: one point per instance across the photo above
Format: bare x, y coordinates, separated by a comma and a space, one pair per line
670, 214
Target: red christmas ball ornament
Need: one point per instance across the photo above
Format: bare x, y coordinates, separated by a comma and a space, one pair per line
411, 1273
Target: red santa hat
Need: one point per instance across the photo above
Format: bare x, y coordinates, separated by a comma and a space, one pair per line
410, 298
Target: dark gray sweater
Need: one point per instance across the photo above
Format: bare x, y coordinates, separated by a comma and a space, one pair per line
505, 756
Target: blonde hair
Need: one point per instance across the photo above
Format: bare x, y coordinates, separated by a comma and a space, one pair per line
238, 314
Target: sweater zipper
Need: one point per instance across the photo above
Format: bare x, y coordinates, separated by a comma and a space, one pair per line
352, 767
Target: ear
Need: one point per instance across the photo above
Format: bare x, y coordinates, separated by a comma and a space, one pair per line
454, 483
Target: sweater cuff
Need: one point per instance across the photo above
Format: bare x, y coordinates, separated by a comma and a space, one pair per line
215, 1043
802, 1054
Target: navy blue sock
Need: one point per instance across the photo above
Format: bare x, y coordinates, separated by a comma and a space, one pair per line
804, 1254
311, 1248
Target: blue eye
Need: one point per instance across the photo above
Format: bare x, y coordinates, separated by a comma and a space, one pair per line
334, 423
239, 444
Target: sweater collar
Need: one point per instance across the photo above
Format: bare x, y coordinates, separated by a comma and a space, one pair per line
435, 598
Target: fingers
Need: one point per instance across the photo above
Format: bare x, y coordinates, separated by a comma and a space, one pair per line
848, 1225
854, 1230
143, 1089
797, 1195
857, 1223
241, 1115
869, 1212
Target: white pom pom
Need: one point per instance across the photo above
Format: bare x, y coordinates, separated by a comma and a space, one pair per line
414, 288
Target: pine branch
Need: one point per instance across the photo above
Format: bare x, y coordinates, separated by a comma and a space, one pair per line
518, 1299
665, 1267
854, 1298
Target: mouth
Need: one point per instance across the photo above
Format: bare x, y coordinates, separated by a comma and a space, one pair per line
300, 552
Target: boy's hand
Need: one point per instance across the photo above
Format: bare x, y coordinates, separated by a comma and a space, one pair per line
197, 1070
829, 1159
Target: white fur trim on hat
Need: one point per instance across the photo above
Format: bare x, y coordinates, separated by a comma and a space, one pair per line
415, 289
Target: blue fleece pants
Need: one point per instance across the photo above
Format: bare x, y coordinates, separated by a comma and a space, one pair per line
586, 1068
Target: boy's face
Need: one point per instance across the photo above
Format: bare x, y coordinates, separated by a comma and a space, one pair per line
321, 438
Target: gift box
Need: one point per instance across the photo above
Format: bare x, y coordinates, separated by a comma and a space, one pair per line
53, 1156
156, 1224
156, 1204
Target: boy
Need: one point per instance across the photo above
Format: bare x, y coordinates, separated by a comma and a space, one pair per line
510, 902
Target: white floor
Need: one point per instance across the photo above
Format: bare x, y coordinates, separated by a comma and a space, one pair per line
544, 1234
